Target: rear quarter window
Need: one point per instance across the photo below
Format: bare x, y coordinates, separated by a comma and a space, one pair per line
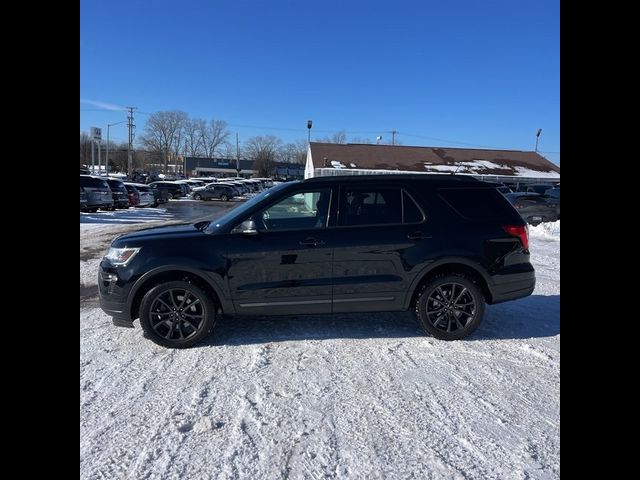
477, 203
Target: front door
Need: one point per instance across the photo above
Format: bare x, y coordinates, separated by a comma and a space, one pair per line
285, 267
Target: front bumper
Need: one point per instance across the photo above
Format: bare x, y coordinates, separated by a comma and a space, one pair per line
113, 298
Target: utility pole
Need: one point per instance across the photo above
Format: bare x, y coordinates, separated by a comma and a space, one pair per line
393, 136
99, 161
131, 126
237, 154
93, 162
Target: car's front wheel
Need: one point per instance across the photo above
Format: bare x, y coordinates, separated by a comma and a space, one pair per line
197, 196
224, 198
177, 314
449, 307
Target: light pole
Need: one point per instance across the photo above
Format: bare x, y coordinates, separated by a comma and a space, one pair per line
106, 163
537, 137
309, 125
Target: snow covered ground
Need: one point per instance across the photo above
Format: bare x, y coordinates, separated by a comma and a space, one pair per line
344, 396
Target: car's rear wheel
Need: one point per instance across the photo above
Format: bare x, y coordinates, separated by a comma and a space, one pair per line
170, 195
449, 307
224, 198
197, 196
177, 314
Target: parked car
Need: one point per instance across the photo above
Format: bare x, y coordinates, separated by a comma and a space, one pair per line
553, 197
97, 191
83, 200
119, 193
214, 191
538, 188
534, 208
160, 194
501, 187
145, 195
133, 194
440, 246
84, 171
174, 190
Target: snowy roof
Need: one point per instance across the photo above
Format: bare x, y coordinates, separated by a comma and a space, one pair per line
432, 159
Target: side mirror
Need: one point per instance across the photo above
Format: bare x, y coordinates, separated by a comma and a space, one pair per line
248, 227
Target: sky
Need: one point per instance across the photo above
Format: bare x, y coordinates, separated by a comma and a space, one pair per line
441, 73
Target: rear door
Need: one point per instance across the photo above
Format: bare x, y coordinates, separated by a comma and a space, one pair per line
379, 229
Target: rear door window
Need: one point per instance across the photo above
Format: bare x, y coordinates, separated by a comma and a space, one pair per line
370, 206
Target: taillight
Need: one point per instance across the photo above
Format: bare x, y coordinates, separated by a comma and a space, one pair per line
520, 231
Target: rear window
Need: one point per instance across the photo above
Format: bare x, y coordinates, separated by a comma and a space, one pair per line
116, 184
477, 203
92, 182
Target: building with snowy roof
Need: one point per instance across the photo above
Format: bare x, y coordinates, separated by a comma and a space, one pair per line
511, 166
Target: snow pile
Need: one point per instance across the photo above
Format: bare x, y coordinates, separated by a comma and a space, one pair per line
336, 164
546, 231
131, 215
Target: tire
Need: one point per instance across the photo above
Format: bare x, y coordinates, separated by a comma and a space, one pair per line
193, 328
466, 295
197, 196
170, 196
224, 198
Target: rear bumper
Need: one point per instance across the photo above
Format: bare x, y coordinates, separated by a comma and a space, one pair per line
512, 286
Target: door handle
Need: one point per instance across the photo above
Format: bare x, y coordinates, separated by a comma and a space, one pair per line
311, 242
418, 236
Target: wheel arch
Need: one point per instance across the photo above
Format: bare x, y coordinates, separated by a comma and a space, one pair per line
472, 270
168, 274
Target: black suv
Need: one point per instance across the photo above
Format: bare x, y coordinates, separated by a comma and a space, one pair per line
119, 193
213, 191
441, 246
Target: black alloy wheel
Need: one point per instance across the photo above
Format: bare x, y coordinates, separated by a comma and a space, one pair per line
450, 307
177, 314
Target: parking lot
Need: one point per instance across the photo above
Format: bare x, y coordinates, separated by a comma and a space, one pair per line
351, 396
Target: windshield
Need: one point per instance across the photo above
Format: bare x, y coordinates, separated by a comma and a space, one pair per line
240, 211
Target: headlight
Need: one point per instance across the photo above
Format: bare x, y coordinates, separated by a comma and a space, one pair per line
121, 256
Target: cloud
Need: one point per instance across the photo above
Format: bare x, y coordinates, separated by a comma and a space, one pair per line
106, 106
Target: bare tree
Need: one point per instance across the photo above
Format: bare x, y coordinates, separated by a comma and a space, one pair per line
338, 137
85, 148
214, 134
295, 152
164, 133
118, 157
361, 140
193, 137
264, 151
